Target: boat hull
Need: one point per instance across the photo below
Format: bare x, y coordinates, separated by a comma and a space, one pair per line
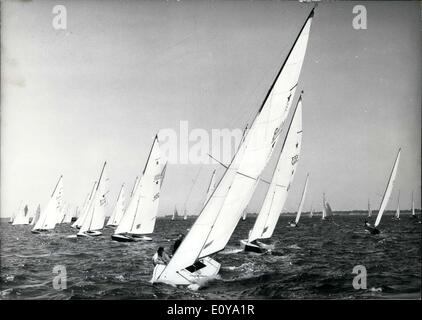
252, 247
129, 238
194, 276
372, 230
89, 234
40, 231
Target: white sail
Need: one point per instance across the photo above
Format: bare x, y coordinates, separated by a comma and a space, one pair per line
388, 190
84, 212
36, 215
369, 210
211, 187
221, 213
142, 210
302, 200
328, 210
174, 214
282, 178
21, 217
149, 192
324, 212
95, 217
119, 209
311, 213
48, 217
185, 216
244, 215
398, 207
413, 206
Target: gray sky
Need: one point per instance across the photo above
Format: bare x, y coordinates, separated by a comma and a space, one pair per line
122, 70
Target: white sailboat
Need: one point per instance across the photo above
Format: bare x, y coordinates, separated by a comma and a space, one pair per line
302, 200
119, 209
140, 216
385, 198
244, 215
191, 264
397, 214
84, 212
279, 187
36, 215
95, 216
185, 214
369, 210
21, 216
175, 214
48, 217
413, 207
311, 212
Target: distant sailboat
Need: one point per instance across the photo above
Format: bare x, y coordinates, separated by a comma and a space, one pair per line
191, 264
68, 214
95, 214
385, 198
244, 215
413, 208
302, 200
141, 214
119, 209
175, 214
397, 215
48, 217
36, 215
311, 212
185, 215
369, 210
21, 216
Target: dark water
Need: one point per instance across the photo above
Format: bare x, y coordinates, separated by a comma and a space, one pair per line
314, 261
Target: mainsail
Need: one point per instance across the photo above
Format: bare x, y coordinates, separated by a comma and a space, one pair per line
48, 217
79, 222
302, 200
175, 214
324, 211
369, 210
388, 189
142, 210
282, 178
221, 213
95, 216
119, 209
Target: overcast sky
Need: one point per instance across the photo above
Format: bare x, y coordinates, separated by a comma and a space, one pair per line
122, 70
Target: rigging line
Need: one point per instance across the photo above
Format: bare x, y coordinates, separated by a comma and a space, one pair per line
191, 189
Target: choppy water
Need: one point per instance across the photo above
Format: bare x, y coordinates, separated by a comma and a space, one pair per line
314, 261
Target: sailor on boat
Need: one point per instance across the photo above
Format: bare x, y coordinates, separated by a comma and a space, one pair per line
160, 257
177, 243
370, 228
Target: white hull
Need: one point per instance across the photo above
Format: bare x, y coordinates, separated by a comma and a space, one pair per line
190, 277
129, 238
89, 234
257, 247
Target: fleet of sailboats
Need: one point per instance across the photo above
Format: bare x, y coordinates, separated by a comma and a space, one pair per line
226, 200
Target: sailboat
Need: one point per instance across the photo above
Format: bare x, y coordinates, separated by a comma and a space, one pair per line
95, 214
302, 200
175, 214
413, 208
244, 215
191, 264
397, 215
369, 210
68, 214
77, 213
36, 215
119, 209
385, 198
311, 212
185, 214
140, 216
21, 216
78, 223
279, 187
48, 217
